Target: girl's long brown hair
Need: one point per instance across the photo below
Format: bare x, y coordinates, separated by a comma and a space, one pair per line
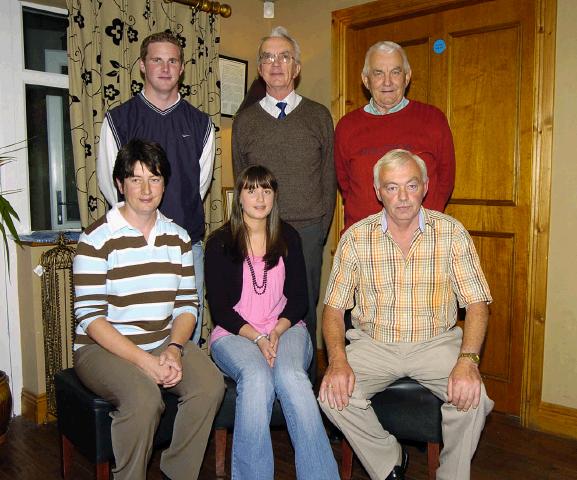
253, 177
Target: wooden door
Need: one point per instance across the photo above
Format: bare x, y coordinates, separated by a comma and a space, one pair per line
483, 80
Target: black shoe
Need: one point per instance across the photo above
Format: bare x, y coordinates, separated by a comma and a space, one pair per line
164, 476
398, 472
335, 435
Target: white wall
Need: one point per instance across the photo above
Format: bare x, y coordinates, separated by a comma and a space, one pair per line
560, 362
12, 177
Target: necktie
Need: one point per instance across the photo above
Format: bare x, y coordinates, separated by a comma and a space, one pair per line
282, 106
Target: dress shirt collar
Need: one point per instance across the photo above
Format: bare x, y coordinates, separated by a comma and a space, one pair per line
423, 220
268, 103
371, 107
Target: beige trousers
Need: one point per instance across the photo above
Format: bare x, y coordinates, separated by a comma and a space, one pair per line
376, 365
139, 407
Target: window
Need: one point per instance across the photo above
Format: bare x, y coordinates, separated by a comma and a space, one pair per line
52, 186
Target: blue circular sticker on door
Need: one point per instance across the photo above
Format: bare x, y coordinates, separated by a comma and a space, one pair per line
439, 46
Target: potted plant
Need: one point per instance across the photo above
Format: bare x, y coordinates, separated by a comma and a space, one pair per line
5, 405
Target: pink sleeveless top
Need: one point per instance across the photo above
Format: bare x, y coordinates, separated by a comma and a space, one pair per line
261, 311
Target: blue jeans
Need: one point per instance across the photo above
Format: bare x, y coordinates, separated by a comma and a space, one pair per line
257, 385
198, 259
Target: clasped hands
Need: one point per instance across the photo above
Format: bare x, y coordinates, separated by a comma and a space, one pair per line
165, 369
268, 346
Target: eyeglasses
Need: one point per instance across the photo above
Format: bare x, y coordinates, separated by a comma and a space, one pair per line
268, 58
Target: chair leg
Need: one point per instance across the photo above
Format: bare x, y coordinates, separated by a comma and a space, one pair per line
67, 450
433, 459
103, 471
346, 460
220, 450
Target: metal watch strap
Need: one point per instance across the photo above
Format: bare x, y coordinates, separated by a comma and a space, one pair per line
474, 357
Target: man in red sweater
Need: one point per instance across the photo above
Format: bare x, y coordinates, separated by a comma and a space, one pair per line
390, 121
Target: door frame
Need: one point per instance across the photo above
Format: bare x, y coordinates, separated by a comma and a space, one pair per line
534, 412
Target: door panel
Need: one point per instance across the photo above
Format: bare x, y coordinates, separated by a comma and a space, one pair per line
484, 83
497, 256
419, 58
484, 95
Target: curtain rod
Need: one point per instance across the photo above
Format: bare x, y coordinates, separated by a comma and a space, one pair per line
216, 8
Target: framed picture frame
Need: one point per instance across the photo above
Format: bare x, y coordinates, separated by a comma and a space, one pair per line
227, 196
233, 72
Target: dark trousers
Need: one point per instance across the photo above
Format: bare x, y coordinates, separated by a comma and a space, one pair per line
312, 238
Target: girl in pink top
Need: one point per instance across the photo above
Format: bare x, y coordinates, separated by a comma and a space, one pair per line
256, 288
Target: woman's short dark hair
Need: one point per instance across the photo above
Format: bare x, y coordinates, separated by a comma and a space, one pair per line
253, 177
150, 154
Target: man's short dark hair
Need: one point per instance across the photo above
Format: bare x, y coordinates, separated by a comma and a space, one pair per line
160, 37
150, 154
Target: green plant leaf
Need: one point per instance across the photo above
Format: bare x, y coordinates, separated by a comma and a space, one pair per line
5, 246
7, 213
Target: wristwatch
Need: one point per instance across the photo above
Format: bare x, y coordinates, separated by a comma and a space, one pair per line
474, 357
177, 345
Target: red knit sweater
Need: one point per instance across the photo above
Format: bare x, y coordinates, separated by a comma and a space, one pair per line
362, 138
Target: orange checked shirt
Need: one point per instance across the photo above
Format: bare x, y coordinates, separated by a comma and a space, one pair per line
412, 299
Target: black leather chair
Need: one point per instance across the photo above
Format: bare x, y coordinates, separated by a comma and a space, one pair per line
224, 421
410, 412
84, 423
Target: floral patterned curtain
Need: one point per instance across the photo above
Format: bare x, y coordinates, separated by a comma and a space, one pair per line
104, 40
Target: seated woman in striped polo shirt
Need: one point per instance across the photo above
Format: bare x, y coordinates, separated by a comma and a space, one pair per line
136, 306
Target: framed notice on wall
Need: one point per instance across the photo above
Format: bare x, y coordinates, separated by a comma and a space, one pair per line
233, 73
227, 198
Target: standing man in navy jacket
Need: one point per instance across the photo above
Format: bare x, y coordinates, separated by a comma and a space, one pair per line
159, 114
